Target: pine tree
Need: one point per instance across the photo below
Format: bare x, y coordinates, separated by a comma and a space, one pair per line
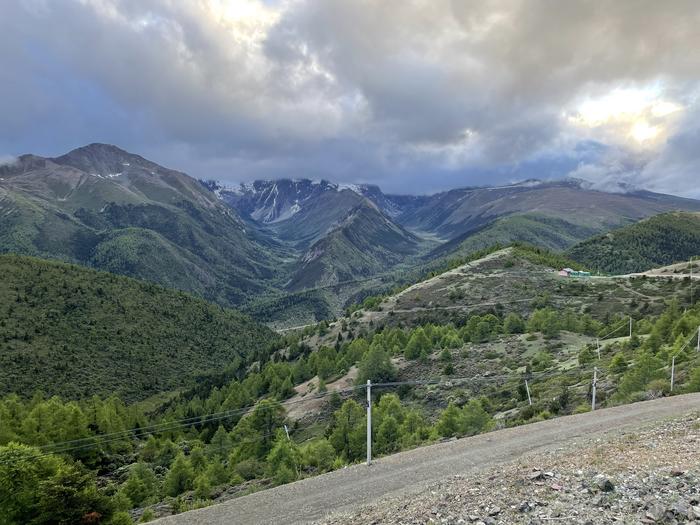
180, 477
450, 422
618, 364
283, 459
417, 344
474, 418
388, 435
348, 431
375, 365
202, 487
220, 445
513, 324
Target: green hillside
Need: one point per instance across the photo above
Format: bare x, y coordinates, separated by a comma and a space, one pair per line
658, 241
541, 230
363, 244
77, 332
105, 208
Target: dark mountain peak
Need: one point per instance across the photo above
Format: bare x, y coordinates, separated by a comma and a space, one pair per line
104, 160
271, 201
21, 164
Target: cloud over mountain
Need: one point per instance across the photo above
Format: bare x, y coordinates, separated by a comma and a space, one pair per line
416, 95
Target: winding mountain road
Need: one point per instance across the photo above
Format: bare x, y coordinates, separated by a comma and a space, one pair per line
409, 472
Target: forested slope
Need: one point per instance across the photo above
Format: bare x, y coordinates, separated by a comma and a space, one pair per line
78, 332
658, 241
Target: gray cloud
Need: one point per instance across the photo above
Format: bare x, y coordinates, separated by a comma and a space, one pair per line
7, 160
677, 168
415, 95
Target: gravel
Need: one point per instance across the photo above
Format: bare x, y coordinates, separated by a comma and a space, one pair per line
418, 474
649, 476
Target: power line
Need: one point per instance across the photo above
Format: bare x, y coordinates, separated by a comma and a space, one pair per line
104, 439
77, 444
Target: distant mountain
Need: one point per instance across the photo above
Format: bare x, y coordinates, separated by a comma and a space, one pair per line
104, 207
77, 332
364, 243
253, 243
300, 211
457, 213
286, 206
535, 229
658, 241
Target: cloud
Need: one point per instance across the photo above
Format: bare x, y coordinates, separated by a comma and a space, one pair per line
7, 160
677, 168
415, 95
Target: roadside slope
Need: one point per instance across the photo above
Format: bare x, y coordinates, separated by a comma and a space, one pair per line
408, 473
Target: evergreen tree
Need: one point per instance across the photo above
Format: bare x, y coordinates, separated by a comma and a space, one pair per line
141, 485
618, 364
513, 324
348, 431
474, 418
202, 487
283, 459
375, 365
446, 356
180, 477
388, 435
221, 444
586, 355
319, 454
450, 422
216, 473
417, 344
44, 489
646, 368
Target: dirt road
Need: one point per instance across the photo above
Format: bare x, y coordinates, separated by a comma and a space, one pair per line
408, 472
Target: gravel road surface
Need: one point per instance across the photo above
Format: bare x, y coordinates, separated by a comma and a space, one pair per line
409, 472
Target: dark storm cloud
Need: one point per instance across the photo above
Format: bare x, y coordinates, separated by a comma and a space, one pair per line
414, 95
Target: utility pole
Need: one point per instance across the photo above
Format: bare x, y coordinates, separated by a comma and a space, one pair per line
527, 389
691, 282
287, 431
597, 342
369, 422
595, 381
673, 370
630, 327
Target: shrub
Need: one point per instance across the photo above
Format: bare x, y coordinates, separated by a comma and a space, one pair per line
618, 364
249, 469
693, 384
319, 454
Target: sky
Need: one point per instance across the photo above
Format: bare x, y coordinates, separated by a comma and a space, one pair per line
416, 96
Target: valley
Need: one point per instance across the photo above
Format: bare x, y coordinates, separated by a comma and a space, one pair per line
340, 262
293, 251
129, 380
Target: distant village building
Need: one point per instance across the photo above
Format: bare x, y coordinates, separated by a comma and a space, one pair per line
569, 272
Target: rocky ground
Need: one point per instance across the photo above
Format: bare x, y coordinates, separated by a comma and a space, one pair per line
651, 476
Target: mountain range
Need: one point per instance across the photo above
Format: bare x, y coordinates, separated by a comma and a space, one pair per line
252, 245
